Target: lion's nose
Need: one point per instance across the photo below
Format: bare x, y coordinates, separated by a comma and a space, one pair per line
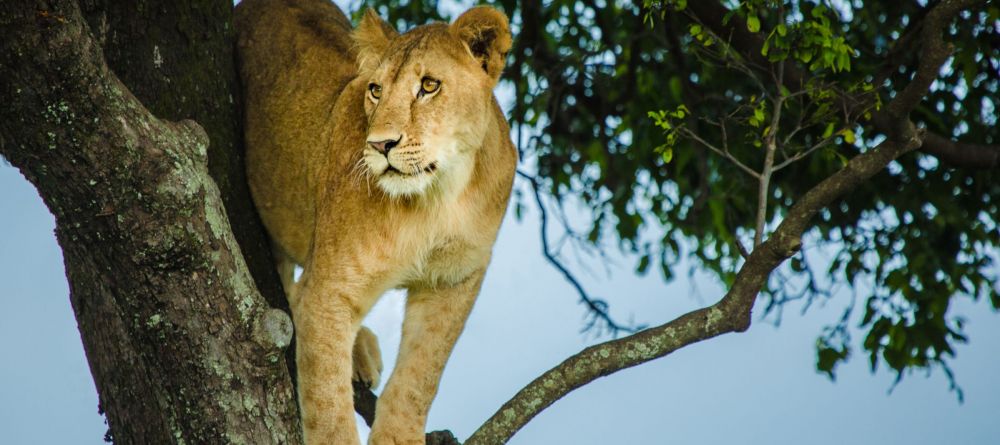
384, 146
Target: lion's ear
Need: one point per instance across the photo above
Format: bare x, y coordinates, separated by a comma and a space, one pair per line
486, 32
372, 38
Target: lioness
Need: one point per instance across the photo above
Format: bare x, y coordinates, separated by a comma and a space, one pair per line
377, 160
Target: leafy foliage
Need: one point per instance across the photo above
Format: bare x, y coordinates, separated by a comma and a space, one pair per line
660, 117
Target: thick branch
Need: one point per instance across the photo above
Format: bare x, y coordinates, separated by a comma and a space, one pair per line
730, 314
181, 344
933, 52
954, 153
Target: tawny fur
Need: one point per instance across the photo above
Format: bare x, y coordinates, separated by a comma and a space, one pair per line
332, 204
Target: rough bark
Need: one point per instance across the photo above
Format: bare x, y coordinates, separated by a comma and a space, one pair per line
182, 346
178, 59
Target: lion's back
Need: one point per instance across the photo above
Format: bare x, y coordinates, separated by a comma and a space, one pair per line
295, 59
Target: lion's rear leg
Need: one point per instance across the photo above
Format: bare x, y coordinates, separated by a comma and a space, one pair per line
367, 358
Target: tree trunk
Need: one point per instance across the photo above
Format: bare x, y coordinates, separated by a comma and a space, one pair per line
178, 59
182, 345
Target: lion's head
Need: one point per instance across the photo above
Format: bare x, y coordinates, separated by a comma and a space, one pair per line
429, 98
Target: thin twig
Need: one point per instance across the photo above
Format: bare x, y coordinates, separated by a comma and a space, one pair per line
723, 153
598, 308
771, 145
803, 154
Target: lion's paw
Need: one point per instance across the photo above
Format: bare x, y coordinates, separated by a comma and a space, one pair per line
381, 438
367, 358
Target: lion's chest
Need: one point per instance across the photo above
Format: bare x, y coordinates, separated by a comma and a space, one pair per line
445, 248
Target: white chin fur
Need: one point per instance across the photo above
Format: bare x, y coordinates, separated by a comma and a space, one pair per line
399, 186
393, 184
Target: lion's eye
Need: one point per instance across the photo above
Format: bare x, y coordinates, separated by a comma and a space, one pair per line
375, 90
428, 85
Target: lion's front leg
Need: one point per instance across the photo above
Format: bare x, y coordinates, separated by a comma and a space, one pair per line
326, 323
433, 321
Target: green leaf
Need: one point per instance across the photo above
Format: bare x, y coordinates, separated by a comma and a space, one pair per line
844, 62
643, 265
828, 356
758, 115
829, 130
753, 23
782, 29
818, 11
667, 155
848, 135
675, 87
